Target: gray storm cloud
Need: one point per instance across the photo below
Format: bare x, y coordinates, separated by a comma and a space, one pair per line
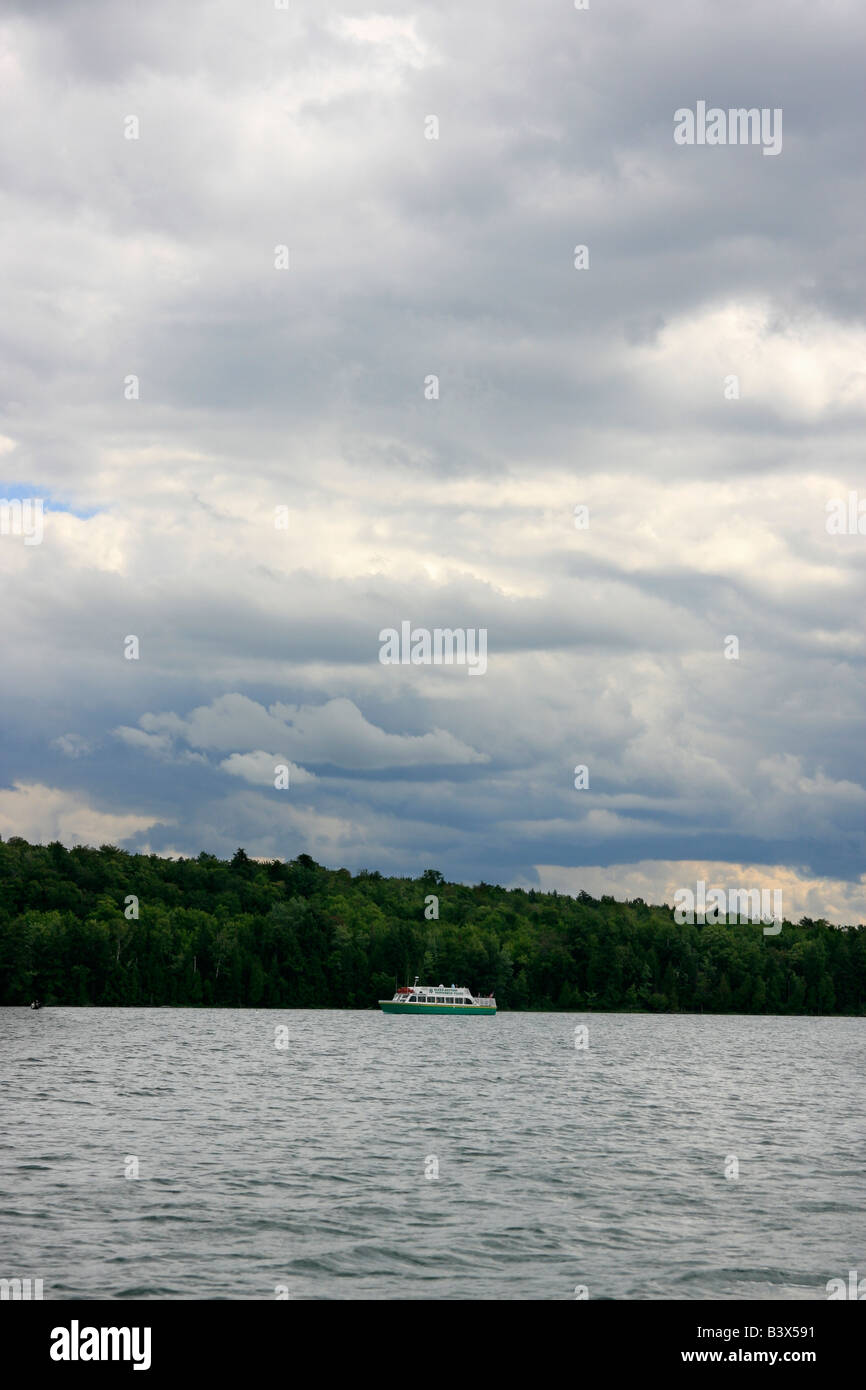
698, 387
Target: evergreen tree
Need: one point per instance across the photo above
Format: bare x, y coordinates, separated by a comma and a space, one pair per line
298, 935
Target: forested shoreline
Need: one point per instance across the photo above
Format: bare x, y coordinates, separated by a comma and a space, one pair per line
106, 927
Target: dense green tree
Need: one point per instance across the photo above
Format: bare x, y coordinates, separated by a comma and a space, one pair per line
297, 935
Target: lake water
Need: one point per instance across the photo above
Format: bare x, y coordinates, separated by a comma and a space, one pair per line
304, 1166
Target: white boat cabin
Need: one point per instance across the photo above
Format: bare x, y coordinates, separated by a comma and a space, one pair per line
456, 995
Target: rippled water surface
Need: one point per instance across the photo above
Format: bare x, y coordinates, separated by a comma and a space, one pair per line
305, 1167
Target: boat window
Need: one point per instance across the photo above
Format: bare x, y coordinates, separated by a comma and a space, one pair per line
412, 999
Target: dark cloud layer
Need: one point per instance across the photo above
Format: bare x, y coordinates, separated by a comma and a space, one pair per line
304, 389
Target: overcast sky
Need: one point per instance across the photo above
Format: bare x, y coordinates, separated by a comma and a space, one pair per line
606, 387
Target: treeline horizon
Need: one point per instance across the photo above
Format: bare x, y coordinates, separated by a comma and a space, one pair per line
88, 926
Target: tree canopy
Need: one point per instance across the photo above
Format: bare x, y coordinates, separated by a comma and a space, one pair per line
103, 926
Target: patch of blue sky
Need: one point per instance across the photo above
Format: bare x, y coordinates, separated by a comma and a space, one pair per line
11, 490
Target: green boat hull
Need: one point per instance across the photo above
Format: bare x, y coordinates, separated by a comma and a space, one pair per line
388, 1006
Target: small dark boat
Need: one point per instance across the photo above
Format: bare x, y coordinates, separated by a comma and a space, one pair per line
35, 1004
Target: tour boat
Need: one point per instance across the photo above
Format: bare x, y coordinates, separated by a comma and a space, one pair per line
437, 999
